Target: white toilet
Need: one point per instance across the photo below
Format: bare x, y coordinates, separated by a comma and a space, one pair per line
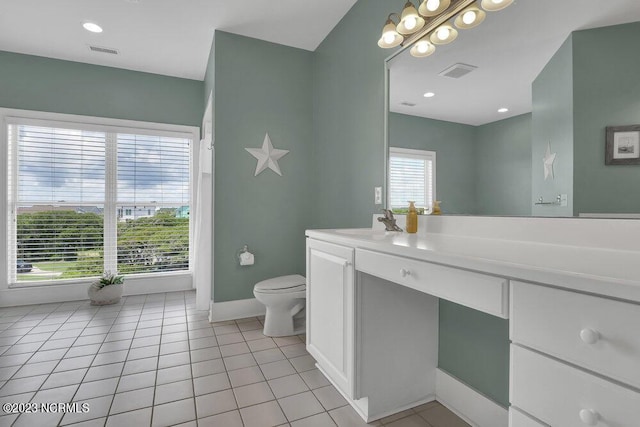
284, 297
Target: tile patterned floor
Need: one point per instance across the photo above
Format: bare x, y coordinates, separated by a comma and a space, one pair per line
153, 360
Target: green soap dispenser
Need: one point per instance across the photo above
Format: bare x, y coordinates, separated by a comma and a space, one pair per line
412, 218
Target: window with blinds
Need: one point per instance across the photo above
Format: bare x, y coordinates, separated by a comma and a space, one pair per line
411, 177
85, 200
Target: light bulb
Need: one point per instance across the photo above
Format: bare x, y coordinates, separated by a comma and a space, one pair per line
422, 47
410, 22
497, 1
429, 95
443, 33
503, 110
388, 37
433, 5
469, 17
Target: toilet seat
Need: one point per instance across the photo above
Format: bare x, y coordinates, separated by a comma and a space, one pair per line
282, 285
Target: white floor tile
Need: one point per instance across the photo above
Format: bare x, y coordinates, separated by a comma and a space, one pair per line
226, 419
245, 376
300, 406
319, 420
264, 415
174, 413
329, 397
132, 400
140, 417
207, 367
173, 374
136, 381
287, 386
253, 394
277, 369
174, 391
238, 362
215, 403
211, 383
140, 365
89, 390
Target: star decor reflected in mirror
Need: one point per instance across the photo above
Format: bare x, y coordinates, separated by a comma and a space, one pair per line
267, 156
548, 160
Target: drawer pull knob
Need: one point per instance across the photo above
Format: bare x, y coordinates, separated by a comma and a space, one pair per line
589, 417
405, 272
589, 336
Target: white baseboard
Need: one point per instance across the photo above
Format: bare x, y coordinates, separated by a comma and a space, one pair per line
12, 297
238, 309
468, 404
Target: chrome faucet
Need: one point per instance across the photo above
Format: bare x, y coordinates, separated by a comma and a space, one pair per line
389, 221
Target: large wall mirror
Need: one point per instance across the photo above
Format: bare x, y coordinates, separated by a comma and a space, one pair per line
564, 71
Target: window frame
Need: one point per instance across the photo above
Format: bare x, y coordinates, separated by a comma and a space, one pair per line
10, 116
411, 153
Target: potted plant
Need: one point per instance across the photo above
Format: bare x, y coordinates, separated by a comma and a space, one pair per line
107, 289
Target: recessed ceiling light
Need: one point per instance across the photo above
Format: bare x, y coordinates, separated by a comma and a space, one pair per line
93, 27
502, 110
429, 95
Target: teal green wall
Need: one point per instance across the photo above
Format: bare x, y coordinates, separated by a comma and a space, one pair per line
348, 109
52, 85
552, 122
456, 155
606, 88
503, 159
260, 87
348, 81
474, 347
480, 170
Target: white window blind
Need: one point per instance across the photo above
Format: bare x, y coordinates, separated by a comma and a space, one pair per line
69, 188
411, 177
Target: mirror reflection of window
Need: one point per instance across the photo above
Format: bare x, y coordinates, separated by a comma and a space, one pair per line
412, 176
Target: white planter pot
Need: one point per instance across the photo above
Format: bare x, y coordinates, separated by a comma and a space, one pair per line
109, 294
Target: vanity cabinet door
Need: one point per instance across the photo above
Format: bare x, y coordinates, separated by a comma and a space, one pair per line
330, 312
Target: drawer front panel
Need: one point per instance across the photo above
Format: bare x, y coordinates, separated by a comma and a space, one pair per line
596, 333
561, 395
480, 291
519, 419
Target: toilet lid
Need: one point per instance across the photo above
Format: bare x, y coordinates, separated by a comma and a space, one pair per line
292, 283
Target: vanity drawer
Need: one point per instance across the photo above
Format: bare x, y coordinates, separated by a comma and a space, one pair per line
599, 334
561, 395
480, 291
519, 419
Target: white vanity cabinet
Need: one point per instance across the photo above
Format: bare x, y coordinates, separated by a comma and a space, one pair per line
575, 358
330, 311
570, 290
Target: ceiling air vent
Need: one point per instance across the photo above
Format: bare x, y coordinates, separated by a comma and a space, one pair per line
103, 50
457, 70
407, 104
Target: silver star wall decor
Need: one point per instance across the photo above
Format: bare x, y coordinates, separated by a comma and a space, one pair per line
267, 156
548, 160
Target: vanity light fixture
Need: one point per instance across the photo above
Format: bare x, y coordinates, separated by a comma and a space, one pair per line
495, 5
422, 48
429, 95
92, 26
410, 20
444, 34
431, 8
390, 37
471, 17
429, 24
502, 110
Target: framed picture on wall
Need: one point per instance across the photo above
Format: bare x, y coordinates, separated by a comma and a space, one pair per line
623, 145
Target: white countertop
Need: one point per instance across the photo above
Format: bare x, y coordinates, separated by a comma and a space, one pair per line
609, 272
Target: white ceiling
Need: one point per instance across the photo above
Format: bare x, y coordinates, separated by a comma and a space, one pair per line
170, 37
510, 48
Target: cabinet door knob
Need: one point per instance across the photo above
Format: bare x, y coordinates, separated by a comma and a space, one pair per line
589, 417
589, 336
405, 272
